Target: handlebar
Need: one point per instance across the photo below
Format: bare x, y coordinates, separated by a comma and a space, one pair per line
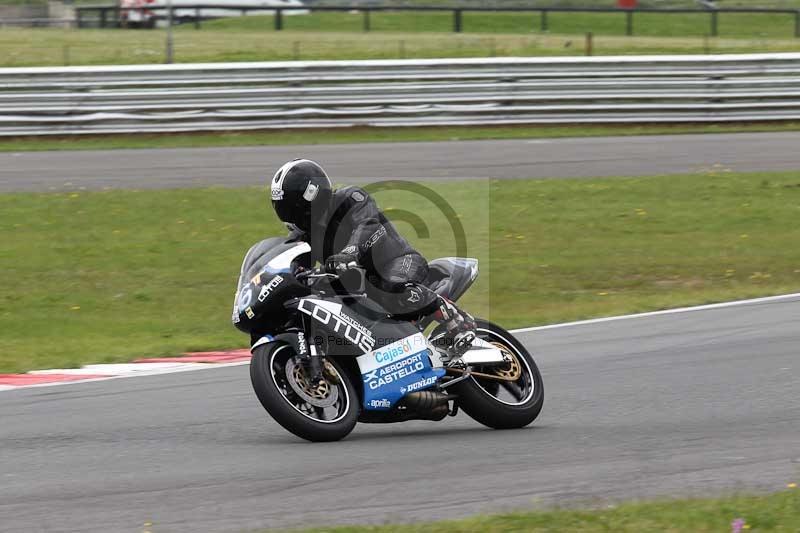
314, 274
321, 273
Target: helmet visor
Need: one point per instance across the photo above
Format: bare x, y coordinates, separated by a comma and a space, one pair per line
291, 213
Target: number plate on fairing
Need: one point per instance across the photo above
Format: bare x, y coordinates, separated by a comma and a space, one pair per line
392, 371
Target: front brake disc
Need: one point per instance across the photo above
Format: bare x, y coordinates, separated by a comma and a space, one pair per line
320, 395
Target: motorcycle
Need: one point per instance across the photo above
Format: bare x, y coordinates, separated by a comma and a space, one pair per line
325, 356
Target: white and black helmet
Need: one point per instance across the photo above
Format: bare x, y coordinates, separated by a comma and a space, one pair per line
301, 193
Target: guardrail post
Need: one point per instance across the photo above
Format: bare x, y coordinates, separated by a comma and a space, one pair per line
79, 18
197, 18
278, 19
103, 17
544, 24
629, 23
170, 43
457, 20
589, 44
366, 19
714, 25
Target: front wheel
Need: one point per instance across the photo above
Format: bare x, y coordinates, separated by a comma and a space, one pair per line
516, 399
321, 412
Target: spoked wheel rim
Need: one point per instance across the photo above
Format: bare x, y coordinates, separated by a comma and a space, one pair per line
516, 392
327, 402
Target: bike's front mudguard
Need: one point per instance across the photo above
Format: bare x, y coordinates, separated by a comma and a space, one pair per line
266, 339
295, 339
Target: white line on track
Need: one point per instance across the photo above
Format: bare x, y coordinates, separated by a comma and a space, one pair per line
129, 370
678, 310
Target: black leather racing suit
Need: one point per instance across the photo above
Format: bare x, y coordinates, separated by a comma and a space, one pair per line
396, 272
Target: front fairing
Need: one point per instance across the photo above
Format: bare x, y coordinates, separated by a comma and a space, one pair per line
266, 281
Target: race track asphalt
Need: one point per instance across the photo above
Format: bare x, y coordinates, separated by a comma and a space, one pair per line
694, 404
359, 163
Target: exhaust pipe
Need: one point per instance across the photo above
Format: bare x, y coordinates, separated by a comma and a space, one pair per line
428, 404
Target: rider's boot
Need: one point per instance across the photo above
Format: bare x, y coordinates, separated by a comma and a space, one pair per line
460, 328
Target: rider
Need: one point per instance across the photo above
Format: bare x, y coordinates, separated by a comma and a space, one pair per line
346, 228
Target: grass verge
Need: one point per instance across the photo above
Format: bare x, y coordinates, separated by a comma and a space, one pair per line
730, 25
366, 134
109, 276
53, 47
775, 512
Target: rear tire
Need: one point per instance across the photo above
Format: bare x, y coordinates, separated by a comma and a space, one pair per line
479, 397
268, 375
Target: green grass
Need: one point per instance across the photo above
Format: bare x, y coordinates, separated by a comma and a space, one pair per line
735, 25
250, 39
108, 276
778, 512
360, 135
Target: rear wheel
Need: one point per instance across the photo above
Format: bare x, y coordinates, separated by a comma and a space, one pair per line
513, 401
325, 411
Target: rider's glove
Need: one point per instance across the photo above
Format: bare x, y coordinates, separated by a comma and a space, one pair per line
339, 262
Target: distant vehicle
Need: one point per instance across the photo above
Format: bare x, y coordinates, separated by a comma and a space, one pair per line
150, 13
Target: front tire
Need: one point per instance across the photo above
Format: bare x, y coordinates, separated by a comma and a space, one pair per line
503, 404
328, 412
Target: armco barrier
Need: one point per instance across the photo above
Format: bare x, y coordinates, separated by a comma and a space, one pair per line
309, 94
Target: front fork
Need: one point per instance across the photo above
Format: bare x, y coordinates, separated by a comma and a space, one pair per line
296, 337
315, 362
310, 352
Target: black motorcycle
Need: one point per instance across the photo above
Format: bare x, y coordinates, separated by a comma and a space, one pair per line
326, 356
